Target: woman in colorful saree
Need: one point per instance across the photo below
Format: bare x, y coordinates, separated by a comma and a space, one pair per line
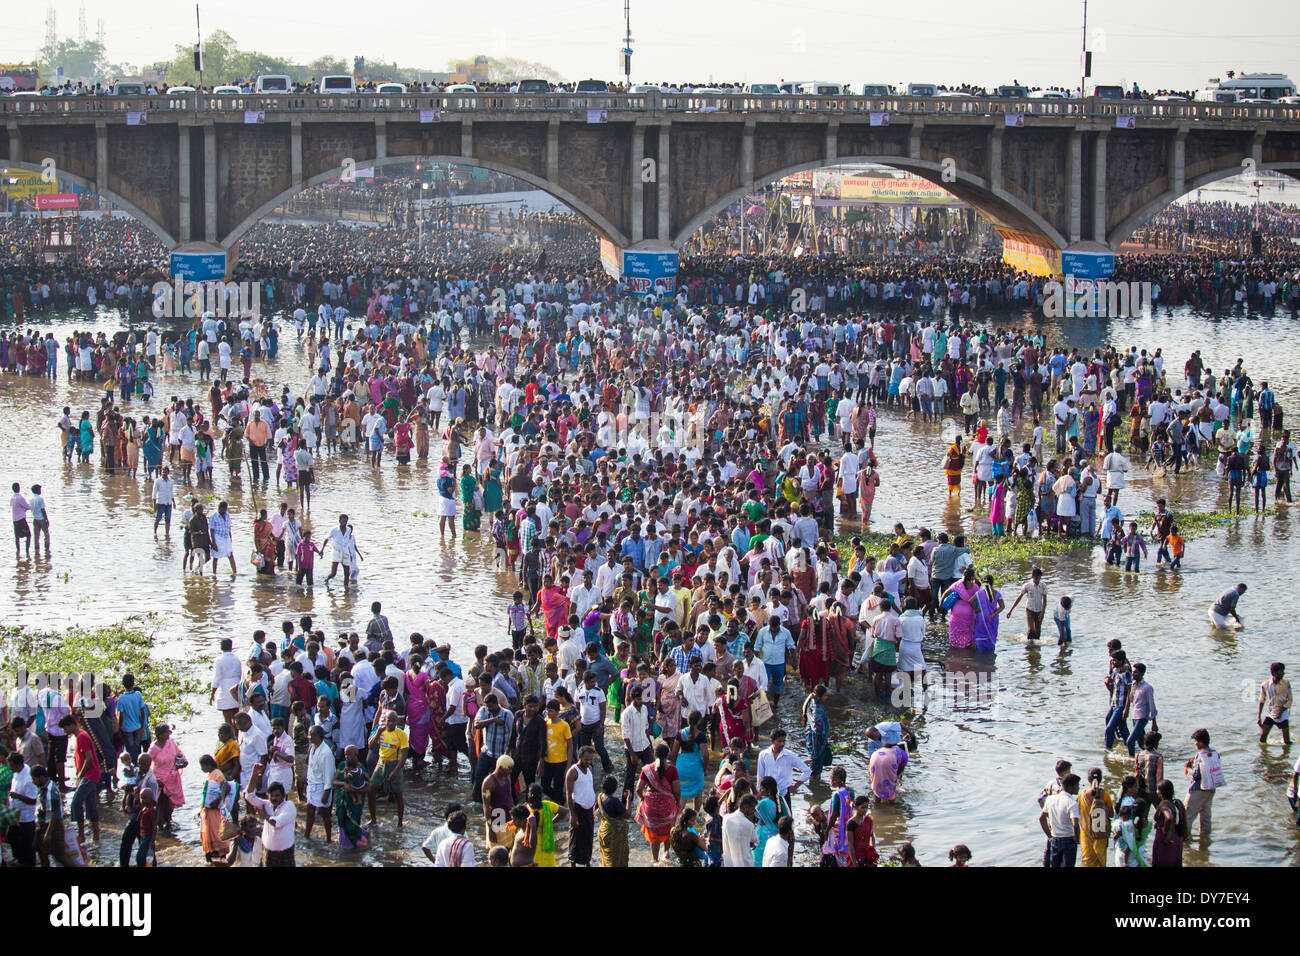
660, 800
351, 803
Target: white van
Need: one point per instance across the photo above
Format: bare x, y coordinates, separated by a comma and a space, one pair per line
128, 88
922, 89
461, 88
764, 89
877, 89
1047, 95
821, 88
391, 88
1259, 87
1215, 95
274, 83
338, 83
227, 90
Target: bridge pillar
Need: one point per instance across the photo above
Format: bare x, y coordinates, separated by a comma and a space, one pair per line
101, 154
553, 150
638, 187
747, 154
914, 139
1257, 145
1074, 182
381, 139
183, 182
210, 183
1099, 188
998, 130
662, 183
467, 138
1178, 162
832, 141
295, 152
15, 141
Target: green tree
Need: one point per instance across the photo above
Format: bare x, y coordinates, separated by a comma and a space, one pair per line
325, 66
80, 61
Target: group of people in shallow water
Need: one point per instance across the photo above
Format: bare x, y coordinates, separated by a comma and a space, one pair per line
665, 482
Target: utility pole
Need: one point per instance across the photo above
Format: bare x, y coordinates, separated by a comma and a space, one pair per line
627, 46
198, 43
1085, 61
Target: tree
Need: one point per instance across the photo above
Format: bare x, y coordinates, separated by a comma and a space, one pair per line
79, 60
326, 66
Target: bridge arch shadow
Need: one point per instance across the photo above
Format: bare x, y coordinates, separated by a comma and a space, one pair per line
597, 221
1144, 214
998, 206
165, 237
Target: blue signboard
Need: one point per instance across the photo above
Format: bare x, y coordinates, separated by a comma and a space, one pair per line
644, 270
198, 266
1088, 265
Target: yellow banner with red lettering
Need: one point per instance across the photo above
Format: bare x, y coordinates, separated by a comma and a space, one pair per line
1030, 251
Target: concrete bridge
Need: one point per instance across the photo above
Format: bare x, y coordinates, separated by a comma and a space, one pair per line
650, 169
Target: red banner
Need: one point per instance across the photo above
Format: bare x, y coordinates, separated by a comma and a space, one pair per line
57, 201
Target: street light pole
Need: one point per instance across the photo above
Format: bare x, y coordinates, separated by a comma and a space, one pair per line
1084, 65
627, 46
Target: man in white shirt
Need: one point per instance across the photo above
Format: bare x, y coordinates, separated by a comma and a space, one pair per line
320, 781
227, 673
252, 752
739, 833
279, 817
694, 690
584, 596
1060, 821
781, 765
456, 848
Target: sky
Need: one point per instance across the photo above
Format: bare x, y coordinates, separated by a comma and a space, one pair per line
1159, 45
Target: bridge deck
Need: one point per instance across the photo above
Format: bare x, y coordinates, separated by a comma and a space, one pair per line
631, 107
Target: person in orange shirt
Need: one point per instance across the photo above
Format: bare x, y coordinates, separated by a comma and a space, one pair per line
1176, 546
258, 434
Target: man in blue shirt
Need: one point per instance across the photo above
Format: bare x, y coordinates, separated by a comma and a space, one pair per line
131, 712
772, 644
634, 548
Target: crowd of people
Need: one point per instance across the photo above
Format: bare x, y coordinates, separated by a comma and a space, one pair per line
665, 480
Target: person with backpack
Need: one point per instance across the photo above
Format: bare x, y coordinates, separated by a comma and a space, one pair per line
1171, 828
1096, 813
1206, 773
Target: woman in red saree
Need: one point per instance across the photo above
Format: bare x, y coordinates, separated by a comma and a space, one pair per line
264, 543
815, 652
661, 800
554, 604
436, 695
733, 709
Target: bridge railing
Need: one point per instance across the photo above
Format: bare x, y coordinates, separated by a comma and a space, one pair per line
578, 105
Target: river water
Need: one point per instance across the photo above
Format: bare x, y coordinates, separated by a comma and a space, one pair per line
981, 762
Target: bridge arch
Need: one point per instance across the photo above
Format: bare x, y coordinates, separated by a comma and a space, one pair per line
165, 237
996, 205
1144, 214
597, 221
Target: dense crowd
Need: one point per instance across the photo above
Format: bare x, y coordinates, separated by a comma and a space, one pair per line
664, 481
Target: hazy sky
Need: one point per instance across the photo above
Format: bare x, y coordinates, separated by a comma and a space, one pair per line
1165, 44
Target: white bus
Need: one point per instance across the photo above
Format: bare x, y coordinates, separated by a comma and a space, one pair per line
820, 88
1259, 87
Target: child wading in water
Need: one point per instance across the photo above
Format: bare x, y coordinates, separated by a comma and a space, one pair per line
1062, 618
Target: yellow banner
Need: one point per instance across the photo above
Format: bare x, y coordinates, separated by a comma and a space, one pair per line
21, 184
1030, 251
909, 190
